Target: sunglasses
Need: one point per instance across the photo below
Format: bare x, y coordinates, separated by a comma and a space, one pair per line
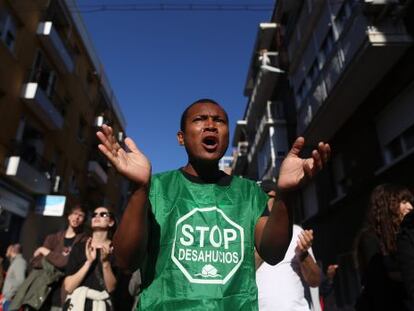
101, 214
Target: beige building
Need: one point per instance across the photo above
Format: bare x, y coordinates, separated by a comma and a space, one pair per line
53, 96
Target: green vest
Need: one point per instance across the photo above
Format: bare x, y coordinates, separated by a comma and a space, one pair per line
201, 252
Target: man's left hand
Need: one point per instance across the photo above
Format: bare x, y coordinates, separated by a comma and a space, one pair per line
295, 171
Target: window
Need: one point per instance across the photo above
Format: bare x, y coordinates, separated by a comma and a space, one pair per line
314, 71
278, 111
82, 130
43, 74
31, 145
298, 34
395, 127
301, 94
309, 2
339, 175
263, 158
308, 82
326, 48
399, 146
409, 138
73, 185
8, 29
342, 16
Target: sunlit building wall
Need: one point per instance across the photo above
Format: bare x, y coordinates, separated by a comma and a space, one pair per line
53, 96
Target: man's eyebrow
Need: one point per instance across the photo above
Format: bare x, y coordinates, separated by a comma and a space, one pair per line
206, 115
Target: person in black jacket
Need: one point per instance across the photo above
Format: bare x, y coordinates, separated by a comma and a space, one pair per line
382, 286
405, 254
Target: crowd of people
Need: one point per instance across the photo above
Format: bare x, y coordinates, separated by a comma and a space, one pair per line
196, 238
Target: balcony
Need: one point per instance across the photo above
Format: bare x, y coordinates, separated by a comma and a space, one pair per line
41, 105
27, 175
239, 132
289, 5
264, 39
97, 173
240, 158
377, 6
360, 58
265, 83
53, 44
264, 125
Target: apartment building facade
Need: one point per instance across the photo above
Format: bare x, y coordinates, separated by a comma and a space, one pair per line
351, 77
53, 96
261, 138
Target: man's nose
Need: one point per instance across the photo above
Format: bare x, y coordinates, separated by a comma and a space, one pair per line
210, 125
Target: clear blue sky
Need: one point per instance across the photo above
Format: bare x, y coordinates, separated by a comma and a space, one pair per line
158, 62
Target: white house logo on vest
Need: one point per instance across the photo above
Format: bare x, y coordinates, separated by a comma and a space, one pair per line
208, 246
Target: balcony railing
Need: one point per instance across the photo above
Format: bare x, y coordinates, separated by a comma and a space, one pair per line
239, 157
27, 176
366, 53
53, 43
42, 106
377, 6
264, 85
260, 134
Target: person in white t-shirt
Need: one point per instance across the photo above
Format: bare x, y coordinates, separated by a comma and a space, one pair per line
292, 284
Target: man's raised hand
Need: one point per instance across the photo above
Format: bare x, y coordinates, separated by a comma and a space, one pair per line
295, 171
132, 163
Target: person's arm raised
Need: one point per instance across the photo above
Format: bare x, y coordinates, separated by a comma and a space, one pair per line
130, 239
273, 233
309, 269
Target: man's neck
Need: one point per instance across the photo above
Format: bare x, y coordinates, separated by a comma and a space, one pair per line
70, 232
208, 172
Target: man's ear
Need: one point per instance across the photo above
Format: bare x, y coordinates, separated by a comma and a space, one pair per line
180, 138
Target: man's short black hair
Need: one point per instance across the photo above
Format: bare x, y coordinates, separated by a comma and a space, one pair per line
199, 101
268, 185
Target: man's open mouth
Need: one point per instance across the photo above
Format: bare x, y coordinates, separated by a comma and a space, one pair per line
210, 142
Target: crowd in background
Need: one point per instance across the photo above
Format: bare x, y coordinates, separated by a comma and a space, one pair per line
75, 269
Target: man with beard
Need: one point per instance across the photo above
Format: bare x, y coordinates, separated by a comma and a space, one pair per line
193, 230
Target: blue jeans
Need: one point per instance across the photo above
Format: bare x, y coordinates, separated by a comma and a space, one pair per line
6, 305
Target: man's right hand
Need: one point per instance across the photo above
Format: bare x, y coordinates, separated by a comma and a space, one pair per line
132, 163
304, 243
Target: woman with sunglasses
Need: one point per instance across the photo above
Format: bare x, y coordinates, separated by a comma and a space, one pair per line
90, 277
